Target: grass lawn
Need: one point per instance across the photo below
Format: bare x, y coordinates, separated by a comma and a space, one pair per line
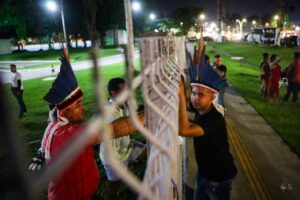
75, 54
253, 53
32, 126
244, 77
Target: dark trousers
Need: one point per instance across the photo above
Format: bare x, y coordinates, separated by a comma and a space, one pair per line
210, 190
292, 88
19, 96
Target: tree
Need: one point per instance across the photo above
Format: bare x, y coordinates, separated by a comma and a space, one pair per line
185, 17
111, 17
91, 7
12, 18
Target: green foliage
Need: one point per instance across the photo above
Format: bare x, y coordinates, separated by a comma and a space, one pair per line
7, 15
187, 15
12, 17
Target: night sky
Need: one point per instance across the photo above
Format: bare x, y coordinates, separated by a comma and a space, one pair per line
244, 7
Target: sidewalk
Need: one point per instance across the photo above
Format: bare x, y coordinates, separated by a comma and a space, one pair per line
268, 169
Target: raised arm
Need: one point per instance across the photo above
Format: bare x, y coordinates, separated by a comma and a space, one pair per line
120, 127
185, 129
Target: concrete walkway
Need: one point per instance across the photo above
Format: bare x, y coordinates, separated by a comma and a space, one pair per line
268, 169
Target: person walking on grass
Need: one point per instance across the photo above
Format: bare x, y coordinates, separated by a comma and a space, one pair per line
274, 79
124, 148
216, 168
293, 76
17, 89
78, 180
264, 75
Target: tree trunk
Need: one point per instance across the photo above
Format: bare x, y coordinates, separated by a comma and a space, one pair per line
76, 41
116, 35
49, 42
91, 8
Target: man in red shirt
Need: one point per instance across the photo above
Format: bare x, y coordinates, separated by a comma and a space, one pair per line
293, 76
79, 180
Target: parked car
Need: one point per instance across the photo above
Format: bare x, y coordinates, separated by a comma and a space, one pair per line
244, 38
289, 41
207, 38
192, 39
263, 35
224, 39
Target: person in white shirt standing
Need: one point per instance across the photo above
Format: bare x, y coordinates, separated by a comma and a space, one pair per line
17, 89
124, 148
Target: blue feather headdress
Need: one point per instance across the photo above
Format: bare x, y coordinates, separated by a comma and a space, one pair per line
202, 74
64, 91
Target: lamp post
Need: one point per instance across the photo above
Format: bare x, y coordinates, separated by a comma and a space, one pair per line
136, 6
241, 22
201, 17
152, 16
52, 6
276, 18
254, 23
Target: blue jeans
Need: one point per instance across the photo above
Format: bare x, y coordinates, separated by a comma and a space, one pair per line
19, 97
210, 190
293, 87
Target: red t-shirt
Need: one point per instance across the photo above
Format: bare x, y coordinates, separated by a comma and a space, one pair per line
80, 179
275, 76
293, 73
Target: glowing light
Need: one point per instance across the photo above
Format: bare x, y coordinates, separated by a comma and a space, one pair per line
202, 17
152, 16
213, 25
51, 5
136, 6
276, 17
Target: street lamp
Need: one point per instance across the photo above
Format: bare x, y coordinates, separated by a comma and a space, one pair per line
52, 6
152, 16
201, 17
136, 6
254, 23
241, 22
276, 18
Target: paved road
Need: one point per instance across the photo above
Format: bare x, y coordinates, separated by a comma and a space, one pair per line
23, 64
43, 72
